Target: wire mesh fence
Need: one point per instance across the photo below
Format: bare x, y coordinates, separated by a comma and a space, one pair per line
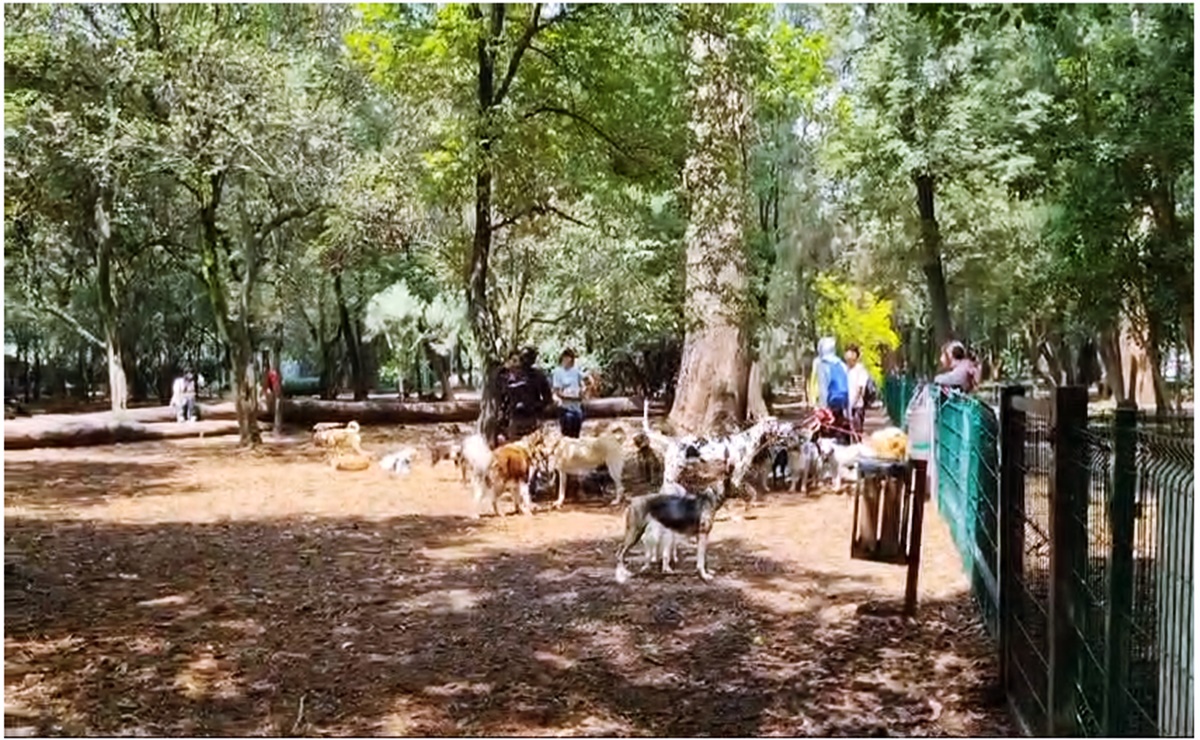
1029, 602
1110, 499
967, 448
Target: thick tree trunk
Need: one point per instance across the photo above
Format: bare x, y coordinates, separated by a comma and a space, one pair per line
715, 367
245, 388
441, 367
276, 393
756, 405
931, 262
118, 386
1110, 356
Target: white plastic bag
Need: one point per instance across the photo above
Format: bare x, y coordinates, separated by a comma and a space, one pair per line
918, 424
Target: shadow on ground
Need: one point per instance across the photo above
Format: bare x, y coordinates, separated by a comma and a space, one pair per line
384, 627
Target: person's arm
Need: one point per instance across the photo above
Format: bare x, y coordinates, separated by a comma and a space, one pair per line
822, 383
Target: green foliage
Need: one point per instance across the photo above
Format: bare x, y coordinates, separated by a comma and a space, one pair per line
853, 315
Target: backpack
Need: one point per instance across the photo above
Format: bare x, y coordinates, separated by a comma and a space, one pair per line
870, 392
837, 394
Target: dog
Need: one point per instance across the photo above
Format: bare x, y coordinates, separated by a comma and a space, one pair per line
350, 461
571, 456
648, 464
443, 449
659, 545
840, 462
514, 464
475, 460
341, 439
399, 462
681, 513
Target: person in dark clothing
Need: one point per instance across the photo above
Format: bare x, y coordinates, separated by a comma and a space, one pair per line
524, 394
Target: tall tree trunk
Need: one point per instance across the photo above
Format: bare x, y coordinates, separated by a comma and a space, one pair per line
276, 354
931, 260
715, 368
358, 378
245, 388
483, 324
118, 386
1110, 356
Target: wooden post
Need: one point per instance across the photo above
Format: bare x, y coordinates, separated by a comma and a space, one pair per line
1119, 604
1068, 546
920, 480
1011, 512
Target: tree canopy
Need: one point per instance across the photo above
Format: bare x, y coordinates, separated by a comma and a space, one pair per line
400, 195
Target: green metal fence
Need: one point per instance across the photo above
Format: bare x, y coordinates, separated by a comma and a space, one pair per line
1077, 535
898, 390
966, 452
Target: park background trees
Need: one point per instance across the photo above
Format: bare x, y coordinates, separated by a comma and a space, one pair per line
402, 194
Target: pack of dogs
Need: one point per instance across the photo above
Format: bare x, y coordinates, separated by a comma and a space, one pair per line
690, 477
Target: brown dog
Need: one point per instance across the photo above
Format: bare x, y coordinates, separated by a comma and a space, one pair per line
512, 464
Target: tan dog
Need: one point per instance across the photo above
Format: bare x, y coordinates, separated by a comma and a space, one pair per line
511, 465
350, 462
339, 438
581, 456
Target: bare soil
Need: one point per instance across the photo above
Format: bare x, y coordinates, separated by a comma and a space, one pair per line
185, 587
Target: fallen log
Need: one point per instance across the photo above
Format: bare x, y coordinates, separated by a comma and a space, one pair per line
308, 411
81, 432
131, 425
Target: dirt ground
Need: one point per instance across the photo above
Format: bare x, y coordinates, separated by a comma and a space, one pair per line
189, 588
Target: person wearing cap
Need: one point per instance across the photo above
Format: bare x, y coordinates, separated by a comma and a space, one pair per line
960, 370
567, 384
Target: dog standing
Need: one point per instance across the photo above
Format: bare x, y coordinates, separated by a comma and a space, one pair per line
571, 456
681, 514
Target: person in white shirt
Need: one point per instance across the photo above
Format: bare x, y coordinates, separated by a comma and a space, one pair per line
857, 377
567, 384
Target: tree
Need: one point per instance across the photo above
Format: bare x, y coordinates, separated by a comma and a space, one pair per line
715, 369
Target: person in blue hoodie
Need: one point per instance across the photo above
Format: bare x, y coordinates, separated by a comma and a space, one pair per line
833, 388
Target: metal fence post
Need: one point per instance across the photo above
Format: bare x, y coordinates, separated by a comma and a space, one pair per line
1119, 604
1068, 546
1011, 513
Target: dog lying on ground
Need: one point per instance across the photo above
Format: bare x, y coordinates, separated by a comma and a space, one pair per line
399, 462
680, 513
350, 461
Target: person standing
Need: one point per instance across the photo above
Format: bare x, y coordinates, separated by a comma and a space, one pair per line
566, 382
526, 395
858, 379
833, 388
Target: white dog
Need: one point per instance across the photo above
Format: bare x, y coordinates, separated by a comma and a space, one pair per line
476, 460
399, 462
842, 460
571, 456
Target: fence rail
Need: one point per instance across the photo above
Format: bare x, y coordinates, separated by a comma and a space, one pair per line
1076, 534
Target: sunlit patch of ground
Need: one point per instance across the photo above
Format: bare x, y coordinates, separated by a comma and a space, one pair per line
190, 588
